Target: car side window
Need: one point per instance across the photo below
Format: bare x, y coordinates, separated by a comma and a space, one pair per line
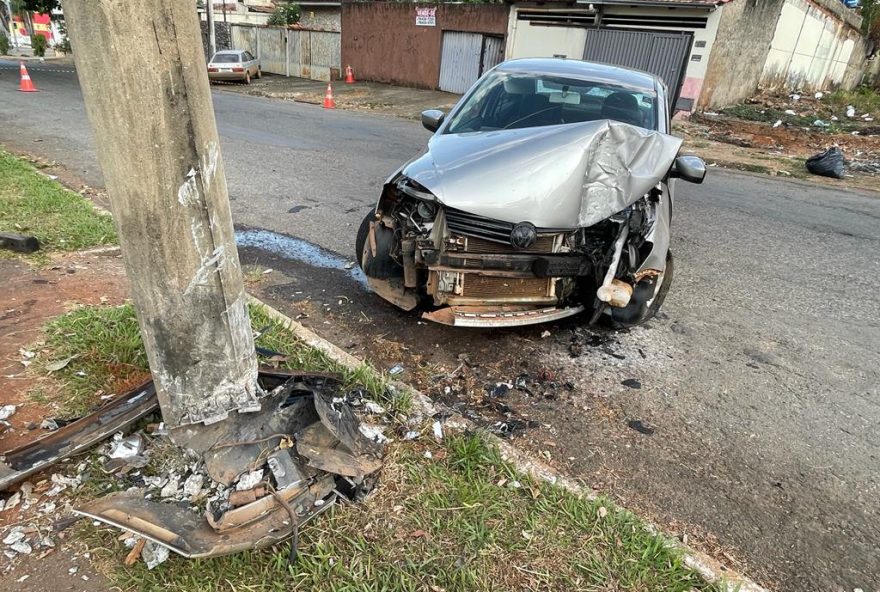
248, 56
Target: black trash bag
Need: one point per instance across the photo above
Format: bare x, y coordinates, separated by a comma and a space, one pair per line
828, 164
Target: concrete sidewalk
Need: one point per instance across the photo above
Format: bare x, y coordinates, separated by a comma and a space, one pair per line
398, 101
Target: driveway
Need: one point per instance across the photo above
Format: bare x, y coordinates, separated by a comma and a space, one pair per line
756, 391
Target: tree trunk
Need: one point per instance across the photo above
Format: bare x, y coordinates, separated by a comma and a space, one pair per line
142, 71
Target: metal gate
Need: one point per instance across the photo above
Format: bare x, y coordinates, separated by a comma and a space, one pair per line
465, 57
663, 54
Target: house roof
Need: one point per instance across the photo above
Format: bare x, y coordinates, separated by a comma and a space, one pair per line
697, 3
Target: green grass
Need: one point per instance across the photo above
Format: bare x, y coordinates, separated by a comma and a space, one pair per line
453, 522
864, 99
105, 350
31, 203
459, 520
103, 344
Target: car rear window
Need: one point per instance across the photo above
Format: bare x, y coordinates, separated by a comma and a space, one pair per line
226, 58
504, 100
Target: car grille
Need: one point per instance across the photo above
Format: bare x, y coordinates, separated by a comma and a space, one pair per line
478, 226
483, 286
544, 244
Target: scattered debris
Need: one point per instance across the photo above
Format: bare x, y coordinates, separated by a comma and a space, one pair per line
77, 436
59, 364
396, 370
154, 554
640, 427
249, 480
632, 383
7, 411
438, 431
127, 447
49, 424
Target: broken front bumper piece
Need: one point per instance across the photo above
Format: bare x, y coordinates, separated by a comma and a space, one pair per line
305, 413
474, 316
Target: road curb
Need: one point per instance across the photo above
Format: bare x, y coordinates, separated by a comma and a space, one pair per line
708, 567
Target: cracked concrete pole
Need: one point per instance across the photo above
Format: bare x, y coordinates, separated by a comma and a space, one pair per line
142, 70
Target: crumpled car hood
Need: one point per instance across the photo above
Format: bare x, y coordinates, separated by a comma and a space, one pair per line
562, 176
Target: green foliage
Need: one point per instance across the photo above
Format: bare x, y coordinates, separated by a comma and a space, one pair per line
38, 44
41, 6
62, 220
285, 14
4, 44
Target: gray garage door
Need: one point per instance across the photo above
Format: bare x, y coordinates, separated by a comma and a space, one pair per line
465, 57
663, 54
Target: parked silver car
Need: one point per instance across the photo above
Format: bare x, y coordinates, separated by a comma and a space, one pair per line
234, 64
544, 193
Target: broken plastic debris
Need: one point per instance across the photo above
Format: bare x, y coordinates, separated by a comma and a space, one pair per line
7, 411
395, 370
192, 487
374, 408
22, 548
249, 480
170, 488
154, 554
374, 433
49, 424
790, 112
778, 123
410, 435
438, 431
127, 447
850, 111
819, 95
14, 536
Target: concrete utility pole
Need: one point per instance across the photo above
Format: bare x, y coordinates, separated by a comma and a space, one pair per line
143, 75
212, 31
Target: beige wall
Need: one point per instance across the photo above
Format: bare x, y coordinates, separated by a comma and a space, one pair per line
813, 49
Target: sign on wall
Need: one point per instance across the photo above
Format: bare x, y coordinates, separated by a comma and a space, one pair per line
426, 16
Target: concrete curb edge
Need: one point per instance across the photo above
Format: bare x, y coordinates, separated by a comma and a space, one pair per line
708, 567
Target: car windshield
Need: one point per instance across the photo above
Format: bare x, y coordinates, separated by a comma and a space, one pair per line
226, 58
506, 100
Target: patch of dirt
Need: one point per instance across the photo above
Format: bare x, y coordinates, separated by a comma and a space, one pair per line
31, 297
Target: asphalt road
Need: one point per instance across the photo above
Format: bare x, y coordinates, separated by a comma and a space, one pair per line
759, 380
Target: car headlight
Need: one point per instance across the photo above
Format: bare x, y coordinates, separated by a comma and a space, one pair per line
523, 235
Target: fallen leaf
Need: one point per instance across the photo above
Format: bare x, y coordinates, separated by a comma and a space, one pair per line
59, 364
420, 534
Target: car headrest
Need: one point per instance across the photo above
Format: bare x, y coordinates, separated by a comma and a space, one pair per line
623, 107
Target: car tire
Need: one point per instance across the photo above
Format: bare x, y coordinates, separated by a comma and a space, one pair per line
259, 73
361, 239
655, 304
247, 77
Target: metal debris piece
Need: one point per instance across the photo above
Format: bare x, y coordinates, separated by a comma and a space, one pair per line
154, 554
243, 498
326, 452
77, 436
127, 447
285, 469
189, 535
289, 408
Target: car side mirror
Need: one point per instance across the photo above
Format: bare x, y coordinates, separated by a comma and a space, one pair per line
432, 118
689, 168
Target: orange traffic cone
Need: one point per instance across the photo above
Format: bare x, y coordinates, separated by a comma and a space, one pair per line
349, 75
329, 103
26, 85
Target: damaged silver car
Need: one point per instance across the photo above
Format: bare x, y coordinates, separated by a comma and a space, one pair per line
546, 192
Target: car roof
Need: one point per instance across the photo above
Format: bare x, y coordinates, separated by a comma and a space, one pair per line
592, 71
223, 51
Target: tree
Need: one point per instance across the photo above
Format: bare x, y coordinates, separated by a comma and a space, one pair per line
285, 14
